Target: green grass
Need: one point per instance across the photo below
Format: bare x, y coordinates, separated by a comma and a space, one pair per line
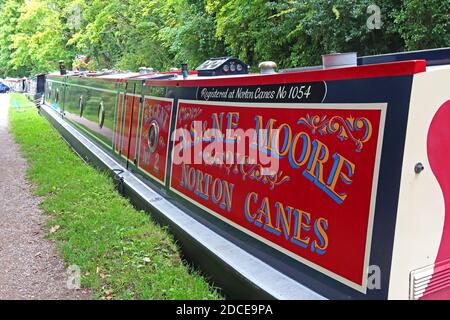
120, 250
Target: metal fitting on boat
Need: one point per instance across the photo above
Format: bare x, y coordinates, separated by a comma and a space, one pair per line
62, 68
267, 67
339, 60
184, 70
153, 137
101, 114
145, 70
419, 168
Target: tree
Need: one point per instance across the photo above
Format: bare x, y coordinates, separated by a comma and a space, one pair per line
298, 32
38, 42
9, 14
192, 37
126, 35
424, 24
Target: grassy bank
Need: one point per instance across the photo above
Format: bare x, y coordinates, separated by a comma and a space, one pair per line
121, 252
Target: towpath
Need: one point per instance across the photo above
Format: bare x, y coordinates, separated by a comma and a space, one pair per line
30, 267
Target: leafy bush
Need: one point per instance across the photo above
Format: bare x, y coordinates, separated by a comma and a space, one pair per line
165, 33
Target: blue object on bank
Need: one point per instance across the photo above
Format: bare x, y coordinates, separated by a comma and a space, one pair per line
3, 88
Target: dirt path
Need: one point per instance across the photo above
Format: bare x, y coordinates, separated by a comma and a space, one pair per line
29, 265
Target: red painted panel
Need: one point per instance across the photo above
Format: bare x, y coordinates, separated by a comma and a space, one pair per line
126, 125
131, 119
438, 142
317, 205
443, 294
118, 132
134, 129
160, 111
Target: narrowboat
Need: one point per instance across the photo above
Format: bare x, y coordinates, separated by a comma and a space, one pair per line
327, 182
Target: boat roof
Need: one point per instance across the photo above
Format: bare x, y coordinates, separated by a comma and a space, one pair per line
394, 64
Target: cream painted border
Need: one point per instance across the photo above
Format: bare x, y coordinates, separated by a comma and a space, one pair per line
345, 106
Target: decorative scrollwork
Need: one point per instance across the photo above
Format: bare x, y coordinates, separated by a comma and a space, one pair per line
188, 114
358, 130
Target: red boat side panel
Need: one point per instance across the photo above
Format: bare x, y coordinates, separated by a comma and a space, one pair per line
159, 111
129, 135
318, 208
118, 132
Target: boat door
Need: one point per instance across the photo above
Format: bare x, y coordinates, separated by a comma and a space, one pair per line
129, 103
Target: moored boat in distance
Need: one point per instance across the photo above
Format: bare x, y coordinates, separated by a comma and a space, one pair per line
320, 182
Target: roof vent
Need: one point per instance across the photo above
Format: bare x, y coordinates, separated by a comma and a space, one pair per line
267, 67
222, 67
339, 60
145, 70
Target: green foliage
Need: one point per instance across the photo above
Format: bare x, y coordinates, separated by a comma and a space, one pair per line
165, 33
424, 24
191, 37
39, 42
10, 13
298, 32
121, 252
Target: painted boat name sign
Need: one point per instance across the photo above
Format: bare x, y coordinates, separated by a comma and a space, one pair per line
309, 92
301, 178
